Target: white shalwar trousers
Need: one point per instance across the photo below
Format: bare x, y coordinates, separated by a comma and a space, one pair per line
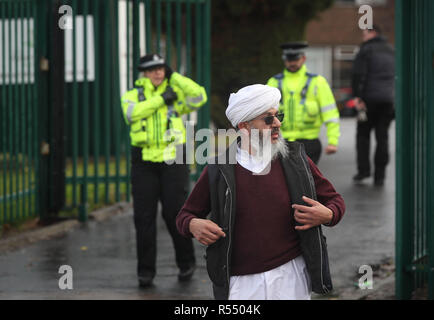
289, 281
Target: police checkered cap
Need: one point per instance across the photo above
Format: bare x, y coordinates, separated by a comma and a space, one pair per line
150, 61
293, 49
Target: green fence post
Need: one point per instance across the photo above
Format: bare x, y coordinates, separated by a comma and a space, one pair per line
178, 35
23, 117
107, 98
4, 195
430, 145
97, 101
84, 124
83, 206
117, 115
148, 34
404, 205
158, 23
168, 8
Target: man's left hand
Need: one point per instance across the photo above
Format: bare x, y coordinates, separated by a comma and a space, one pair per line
311, 216
330, 149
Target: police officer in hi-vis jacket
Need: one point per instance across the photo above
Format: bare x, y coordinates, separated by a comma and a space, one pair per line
153, 111
307, 102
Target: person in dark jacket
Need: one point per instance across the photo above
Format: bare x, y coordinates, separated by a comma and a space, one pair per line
263, 237
373, 88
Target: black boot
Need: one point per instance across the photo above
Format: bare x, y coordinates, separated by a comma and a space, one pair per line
360, 176
186, 274
379, 176
145, 281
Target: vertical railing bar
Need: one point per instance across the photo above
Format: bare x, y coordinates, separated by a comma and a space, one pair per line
415, 161
4, 113
96, 100
404, 161
423, 55
188, 39
419, 109
107, 103
35, 97
148, 15
135, 38
134, 60
129, 78
17, 112
430, 147
116, 99
74, 106
168, 32
10, 110
198, 46
429, 240
415, 156
128, 45
414, 132
23, 116
206, 60
158, 22
30, 113
85, 112
178, 35
131, 64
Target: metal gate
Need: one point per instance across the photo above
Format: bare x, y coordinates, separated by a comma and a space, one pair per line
19, 98
414, 149
63, 67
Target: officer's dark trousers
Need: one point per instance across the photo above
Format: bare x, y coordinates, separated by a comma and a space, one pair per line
313, 149
379, 118
152, 182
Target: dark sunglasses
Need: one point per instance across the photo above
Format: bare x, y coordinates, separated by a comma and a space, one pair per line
270, 119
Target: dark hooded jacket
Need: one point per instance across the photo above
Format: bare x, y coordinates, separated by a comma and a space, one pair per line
373, 72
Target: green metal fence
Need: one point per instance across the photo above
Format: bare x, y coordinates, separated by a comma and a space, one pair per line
64, 65
414, 150
18, 112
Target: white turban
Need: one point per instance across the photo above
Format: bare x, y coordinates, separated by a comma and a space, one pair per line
250, 102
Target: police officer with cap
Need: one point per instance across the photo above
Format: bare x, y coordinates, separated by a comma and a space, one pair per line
153, 110
307, 102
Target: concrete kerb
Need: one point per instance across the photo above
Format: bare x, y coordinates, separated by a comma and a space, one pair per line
43, 233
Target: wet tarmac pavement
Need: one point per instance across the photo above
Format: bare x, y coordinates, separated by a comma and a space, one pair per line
366, 234
103, 259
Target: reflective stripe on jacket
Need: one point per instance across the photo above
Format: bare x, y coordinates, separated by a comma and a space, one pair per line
150, 128
304, 120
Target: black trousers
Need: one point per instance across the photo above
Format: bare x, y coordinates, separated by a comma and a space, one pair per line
151, 183
313, 149
379, 117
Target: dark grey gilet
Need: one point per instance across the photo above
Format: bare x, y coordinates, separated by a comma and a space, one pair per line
223, 212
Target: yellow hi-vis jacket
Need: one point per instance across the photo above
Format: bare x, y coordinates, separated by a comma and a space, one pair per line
307, 102
154, 126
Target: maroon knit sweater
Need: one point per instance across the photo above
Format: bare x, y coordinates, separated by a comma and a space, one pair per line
264, 236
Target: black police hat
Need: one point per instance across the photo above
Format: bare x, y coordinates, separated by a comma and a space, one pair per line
150, 61
293, 50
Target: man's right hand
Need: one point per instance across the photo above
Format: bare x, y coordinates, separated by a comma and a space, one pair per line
205, 231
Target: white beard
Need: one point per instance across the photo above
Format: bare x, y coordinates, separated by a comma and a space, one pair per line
262, 152
264, 149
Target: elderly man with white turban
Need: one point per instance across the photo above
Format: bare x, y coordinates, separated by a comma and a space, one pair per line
263, 236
